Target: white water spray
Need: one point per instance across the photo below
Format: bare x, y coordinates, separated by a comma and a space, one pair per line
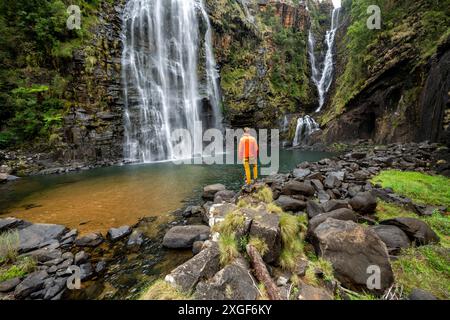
305, 126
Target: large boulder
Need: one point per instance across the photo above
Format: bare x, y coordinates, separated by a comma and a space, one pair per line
289, 204
184, 236
418, 231
115, 234
234, 282
364, 202
297, 188
267, 227
210, 190
313, 209
339, 214
39, 235
333, 204
217, 212
32, 283
9, 285
353, 251
89, 240
394, 238
334, 179
202, 266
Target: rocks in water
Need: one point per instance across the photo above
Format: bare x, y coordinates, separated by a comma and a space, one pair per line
364, 202
234, 282
339, 214
81, 257
307, 292
32, 283
115, 234
332, 205
418, 231
135, 240
313, 209
89, 240
9, 285
297, 188
204, 265
267, 228
185, 236
39, 235
100, 267
289, 204
192, 211
353, 250
197, 247
86, 271
394, 238
210, 191
224, 196
419, 294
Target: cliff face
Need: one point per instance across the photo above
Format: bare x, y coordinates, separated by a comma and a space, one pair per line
388, 86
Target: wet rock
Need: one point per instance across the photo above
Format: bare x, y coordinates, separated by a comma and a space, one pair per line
87, 271
364, 202
32, 283
210, 191
296, 188
9, 223
81, 257
301, 173
267, 228
234, 282
289, 204
135, 240
192, 211
90, 240
307, 292
197, 247
313, 209
332, 205
115, 234
39, 235
419, 294
418, 231
204, 265
9, 285
100, 267
394, 238
224, 196
185, 236
352, 249
57, 286
339, 214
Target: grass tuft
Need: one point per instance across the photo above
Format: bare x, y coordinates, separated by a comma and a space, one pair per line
259, 244
21, 268
229, 249
9, 246
273, 208
161, 290
265, 194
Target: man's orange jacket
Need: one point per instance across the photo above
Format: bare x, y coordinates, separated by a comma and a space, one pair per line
248, 147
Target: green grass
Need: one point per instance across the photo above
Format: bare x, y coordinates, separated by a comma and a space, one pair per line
426, 267
229, 249
161, 290
273, 208
420, 187
259, 245
292, 240
233, 222
9, 244
21, 268
265, 195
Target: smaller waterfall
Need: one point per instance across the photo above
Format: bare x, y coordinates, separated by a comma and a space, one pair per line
305, 126
323, 79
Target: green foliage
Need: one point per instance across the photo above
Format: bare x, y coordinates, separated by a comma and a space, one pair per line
233, 222
9, 245
229, 249
265, 194
20, 268
161, 290
259, 244
420, 187
292, 240
273, 208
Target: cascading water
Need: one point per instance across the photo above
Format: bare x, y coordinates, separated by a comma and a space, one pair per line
323, 78
160, 65
305, 126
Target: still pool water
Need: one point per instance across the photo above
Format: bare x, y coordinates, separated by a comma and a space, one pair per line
98, 199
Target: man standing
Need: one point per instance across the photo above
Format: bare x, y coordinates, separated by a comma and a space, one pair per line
248, 153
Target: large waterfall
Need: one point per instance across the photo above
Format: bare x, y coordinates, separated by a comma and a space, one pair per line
323, 78
169, 71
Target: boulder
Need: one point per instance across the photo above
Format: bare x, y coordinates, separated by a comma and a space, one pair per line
323, 196
58, 285
334, 179
197, 247
217, 213
9, 285
39, 235
192, 211
364, 202
185, 236
234, 282
296, 188
9, 223
353, 250
45, 254
89, 240
204, 265
394, 238
301, 173
339, 214
313, 209
210, 190
115, 234
307, 292
87, 271
317, 184
418, 231
333, 204
32, 283
419, 294
100, 266
81, 258
267, 228
289, 204
224, 196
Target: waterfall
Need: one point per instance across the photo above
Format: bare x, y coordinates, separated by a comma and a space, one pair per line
305, 126
163, 86
323, 79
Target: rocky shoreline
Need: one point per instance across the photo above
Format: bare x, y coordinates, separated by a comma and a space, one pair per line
333, 197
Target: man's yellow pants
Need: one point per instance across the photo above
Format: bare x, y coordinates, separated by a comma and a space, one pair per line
254, 163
